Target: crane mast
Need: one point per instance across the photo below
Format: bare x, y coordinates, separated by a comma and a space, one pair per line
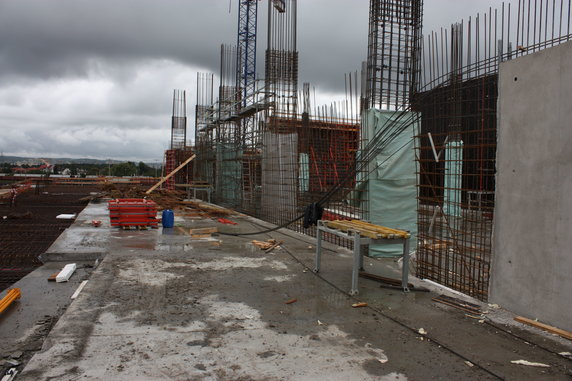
246, 57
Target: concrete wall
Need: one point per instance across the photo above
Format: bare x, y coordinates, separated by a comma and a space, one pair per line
532, 263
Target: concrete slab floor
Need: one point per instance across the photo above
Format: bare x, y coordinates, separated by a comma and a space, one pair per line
164, 306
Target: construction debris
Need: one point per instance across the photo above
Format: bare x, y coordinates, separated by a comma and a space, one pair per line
11, 362
11, 296
277, 244
66, 216
78, 290
390, 281
528, 363
545, 327
471, 308
264, 245
66, 273
202, 232
227, 222
10, 374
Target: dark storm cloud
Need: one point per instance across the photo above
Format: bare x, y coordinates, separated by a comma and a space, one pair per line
60, 38
41, 38
95, 78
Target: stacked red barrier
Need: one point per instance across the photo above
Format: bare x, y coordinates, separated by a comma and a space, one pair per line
132, 212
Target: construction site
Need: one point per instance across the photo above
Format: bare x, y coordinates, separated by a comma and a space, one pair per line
417, 229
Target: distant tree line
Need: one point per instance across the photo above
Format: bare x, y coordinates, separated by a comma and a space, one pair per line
127, 168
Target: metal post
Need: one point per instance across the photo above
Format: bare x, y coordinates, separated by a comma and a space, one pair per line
405, 273
355, 270
318, 248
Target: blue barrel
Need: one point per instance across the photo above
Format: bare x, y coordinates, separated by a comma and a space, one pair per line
168, 218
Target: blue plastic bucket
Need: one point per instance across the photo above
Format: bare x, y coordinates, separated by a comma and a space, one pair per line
168, 218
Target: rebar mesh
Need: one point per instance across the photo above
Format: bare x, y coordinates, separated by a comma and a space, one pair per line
456, 150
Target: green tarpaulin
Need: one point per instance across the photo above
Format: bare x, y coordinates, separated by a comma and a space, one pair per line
392, 183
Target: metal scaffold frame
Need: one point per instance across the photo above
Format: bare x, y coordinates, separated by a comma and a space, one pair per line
264, 155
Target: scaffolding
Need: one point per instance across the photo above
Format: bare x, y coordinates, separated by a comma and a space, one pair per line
271, 152
264, 154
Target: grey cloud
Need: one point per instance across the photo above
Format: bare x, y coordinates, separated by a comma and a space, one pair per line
95, 78
42, 38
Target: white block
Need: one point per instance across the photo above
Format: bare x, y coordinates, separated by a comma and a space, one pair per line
66, 216
66, 273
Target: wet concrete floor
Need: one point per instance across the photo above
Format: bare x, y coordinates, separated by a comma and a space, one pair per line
162, 305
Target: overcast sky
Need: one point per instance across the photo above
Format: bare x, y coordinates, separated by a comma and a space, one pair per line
94, 78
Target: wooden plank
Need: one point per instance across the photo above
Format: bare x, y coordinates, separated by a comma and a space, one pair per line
78, 290
347, 226
198, 236
545, 327
368, 230
11, 296
182, 230
385, 231
203, 231
274, 246
170, 174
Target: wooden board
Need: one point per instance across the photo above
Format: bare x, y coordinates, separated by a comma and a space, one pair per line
545, 327
384, 231
200, 236
203, 231
346, 226
367, 230
170, 174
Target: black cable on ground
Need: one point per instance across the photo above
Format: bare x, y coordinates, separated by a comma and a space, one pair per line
397, 321
488, 322
264, 231
393, 319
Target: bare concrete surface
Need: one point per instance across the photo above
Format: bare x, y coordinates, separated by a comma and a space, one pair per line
81, 241
24, 326
165, 306
530, 273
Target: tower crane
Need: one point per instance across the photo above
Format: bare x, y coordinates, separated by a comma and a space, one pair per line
246, 45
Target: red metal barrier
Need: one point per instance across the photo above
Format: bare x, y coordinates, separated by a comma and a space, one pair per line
132, 212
